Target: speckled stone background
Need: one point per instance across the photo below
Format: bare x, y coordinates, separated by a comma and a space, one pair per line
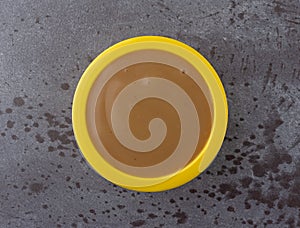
45, 47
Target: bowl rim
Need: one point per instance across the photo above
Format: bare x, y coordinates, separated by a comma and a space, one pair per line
208, 152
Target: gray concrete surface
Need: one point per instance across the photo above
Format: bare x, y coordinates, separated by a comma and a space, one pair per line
45, 47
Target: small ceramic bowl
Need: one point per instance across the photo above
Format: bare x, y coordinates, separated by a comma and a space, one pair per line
149, 114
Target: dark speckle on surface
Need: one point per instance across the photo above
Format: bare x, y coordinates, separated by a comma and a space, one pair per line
45, 46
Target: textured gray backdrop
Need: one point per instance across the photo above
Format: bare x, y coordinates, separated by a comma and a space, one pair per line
45, 47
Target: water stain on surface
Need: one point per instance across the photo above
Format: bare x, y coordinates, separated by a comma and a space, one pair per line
39, 138
51, 120
230, 209
269, 197
241, 16
246, 181
229, 190
14, 137
65, 86
270, 126
36, 187
68, 120
18, 101
138, 223
10, 124
181, 217
51, 149
152, 216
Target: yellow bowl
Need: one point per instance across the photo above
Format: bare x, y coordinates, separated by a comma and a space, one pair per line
81, 119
